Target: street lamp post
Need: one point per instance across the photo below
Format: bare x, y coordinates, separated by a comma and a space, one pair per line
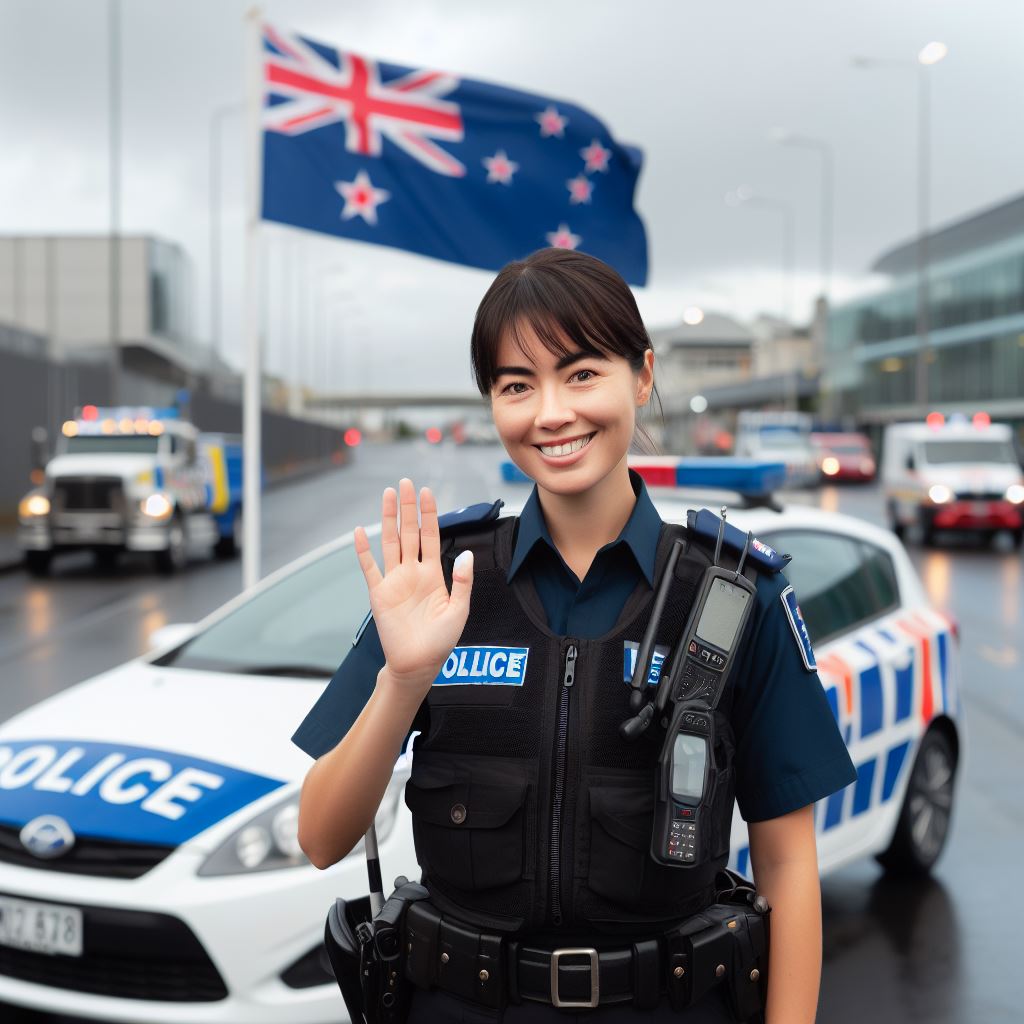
216, 124
930, 54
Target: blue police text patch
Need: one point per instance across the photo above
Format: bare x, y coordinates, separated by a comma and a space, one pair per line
487, 666
121, 792
799, 627
629, 649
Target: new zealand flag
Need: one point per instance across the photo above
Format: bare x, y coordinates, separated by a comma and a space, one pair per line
448, 167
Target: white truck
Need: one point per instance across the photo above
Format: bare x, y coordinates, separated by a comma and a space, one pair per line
779, 436
957, 475
134, 479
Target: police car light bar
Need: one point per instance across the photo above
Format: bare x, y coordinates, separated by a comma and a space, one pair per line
752, 477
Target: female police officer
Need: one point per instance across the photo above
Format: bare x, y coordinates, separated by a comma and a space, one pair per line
525, 804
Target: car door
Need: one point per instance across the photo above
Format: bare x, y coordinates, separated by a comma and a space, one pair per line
868, 648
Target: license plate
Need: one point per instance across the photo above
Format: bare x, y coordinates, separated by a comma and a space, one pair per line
979, 508
40, 927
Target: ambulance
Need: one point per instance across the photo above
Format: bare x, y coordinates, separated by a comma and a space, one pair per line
134, 479
954, 475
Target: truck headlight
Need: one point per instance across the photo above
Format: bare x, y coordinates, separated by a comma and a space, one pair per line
270, 840
34, 505
1015, 494
156, 506
939, 494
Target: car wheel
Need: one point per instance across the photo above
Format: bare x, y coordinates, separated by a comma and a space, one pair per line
38, 562
894, 523
173, 558
229, 547
1017, 538
923, 824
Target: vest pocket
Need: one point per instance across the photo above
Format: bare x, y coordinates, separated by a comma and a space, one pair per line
470, 830
620, 869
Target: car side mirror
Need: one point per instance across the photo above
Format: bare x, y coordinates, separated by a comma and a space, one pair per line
170, 635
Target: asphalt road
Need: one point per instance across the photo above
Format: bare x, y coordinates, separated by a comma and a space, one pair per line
942, 950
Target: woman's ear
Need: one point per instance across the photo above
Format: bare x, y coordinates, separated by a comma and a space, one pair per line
645, 379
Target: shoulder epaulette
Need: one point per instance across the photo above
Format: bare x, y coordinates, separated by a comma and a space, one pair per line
469, 516
704, 525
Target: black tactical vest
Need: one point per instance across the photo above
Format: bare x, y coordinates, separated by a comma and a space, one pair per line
530, 812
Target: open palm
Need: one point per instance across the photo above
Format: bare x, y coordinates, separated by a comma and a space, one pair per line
418, 621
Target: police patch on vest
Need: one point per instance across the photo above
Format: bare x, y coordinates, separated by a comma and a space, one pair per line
799, 628
484, 666
629, 649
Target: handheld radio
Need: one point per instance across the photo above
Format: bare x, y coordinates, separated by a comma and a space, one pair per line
694, 684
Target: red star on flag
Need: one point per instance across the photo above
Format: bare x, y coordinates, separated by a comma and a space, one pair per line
500, 168
551, 123
563, 238
595, 156
361, 198
580, 189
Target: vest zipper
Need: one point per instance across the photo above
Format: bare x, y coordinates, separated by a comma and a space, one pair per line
568, 678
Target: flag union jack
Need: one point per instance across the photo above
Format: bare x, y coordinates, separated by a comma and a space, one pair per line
460, 170
408, 110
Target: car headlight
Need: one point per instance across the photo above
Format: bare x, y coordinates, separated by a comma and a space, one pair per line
270, 840
156, 506
830, 465
939, 494
33, 506
1015, 494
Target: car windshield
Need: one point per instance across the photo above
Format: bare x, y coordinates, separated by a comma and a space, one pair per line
777, 438
848, 448
301, 627
117, 444
938, 453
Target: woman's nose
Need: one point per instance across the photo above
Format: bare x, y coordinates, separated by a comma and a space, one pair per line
554, 411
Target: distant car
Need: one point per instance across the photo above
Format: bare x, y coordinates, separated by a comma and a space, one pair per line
955, 476
783, 436
149, 863
844, 456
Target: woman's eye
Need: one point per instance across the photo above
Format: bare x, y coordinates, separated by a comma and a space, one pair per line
507, 389
579, 375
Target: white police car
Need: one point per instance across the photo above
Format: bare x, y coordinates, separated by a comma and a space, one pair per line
149, 867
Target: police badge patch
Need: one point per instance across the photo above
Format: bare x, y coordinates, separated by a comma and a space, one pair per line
799, 627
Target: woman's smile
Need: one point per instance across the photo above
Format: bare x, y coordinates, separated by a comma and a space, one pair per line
559, 453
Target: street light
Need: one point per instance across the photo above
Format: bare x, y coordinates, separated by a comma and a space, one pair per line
744, 195
927, 56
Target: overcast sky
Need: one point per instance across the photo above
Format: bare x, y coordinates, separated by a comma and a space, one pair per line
699, 87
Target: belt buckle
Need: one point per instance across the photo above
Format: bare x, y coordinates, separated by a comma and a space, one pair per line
595, 981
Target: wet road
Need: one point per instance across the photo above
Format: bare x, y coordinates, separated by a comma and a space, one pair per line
941, 950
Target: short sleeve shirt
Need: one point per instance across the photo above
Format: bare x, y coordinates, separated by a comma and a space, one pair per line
789, 752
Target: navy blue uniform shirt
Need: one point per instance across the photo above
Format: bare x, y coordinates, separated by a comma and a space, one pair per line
789, 752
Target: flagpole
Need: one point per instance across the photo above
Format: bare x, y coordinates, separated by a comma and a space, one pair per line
252, 391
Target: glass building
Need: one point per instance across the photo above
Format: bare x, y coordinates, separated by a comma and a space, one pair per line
975, 351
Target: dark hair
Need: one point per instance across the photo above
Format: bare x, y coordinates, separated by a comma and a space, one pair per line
564, 296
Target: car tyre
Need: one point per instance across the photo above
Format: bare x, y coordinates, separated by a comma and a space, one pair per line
230, 546
174, 557
923, 825
1017, 539
38, 562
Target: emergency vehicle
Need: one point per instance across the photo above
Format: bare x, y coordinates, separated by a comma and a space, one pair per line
149, 863
134, 479
952, 475
779, 436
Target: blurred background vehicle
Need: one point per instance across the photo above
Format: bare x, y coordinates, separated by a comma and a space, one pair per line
783, 436
844, 456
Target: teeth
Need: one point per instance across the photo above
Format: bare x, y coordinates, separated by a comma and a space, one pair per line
566, 449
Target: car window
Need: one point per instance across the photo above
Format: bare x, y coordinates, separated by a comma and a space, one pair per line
840, 582
302, 626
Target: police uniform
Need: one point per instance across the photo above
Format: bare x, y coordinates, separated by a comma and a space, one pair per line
532, 817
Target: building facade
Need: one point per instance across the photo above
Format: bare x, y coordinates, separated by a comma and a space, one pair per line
975, 337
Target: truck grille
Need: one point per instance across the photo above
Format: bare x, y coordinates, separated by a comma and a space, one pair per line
101, 857
980, 495
88, 493
127, 954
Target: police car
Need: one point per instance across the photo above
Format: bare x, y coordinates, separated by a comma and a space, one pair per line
149, 863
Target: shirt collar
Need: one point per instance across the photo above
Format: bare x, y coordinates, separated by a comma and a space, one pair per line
640, 534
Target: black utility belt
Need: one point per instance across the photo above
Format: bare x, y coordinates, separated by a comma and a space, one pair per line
724, 945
